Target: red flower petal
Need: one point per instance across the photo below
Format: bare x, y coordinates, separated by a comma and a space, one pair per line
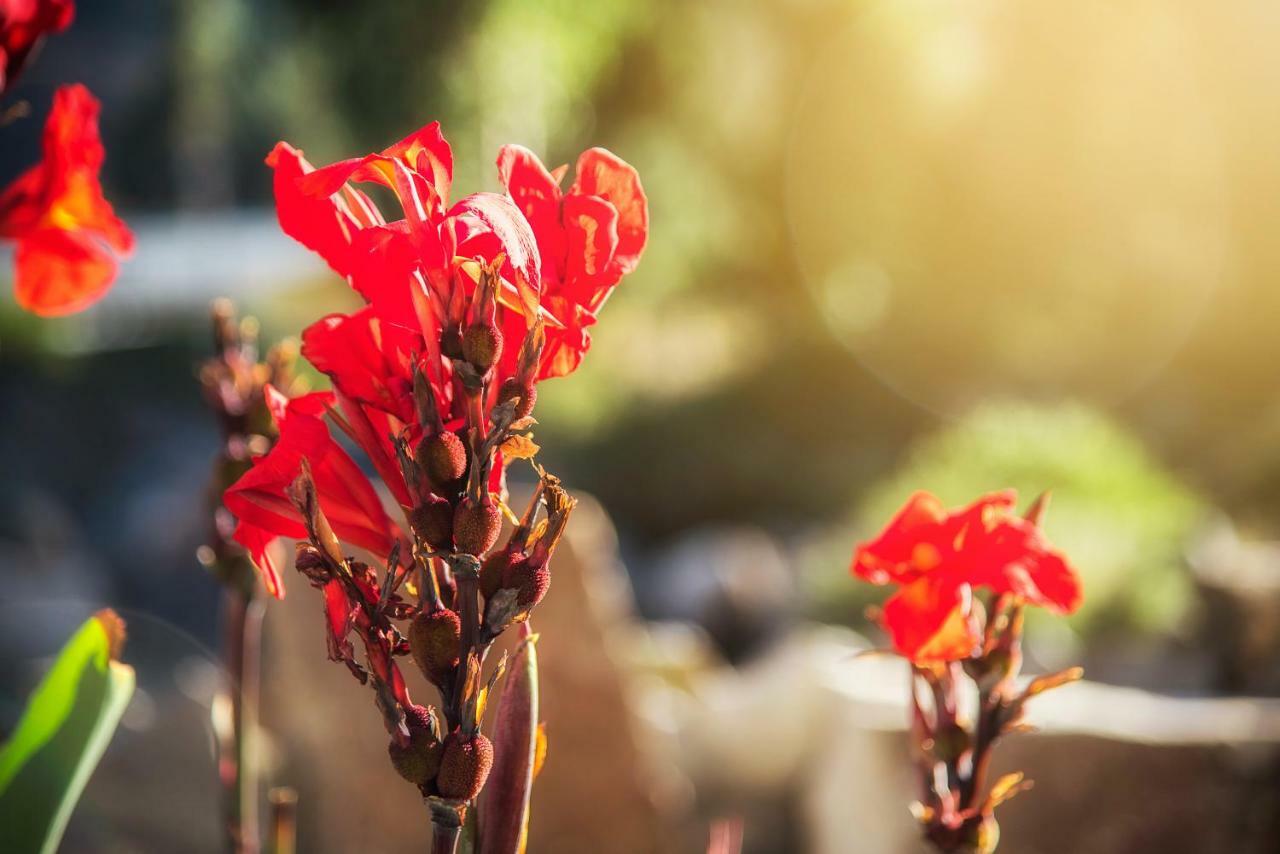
69, 238
22, 24
602, 173
346, 496
591, 237
325, 223
257, 543
366, 358
536, 192
61, 272
932, 620
501, 217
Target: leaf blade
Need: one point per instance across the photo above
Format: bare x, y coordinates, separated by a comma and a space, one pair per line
63, 732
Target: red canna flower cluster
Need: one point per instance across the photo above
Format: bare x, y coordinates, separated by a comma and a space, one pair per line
23, 25
939, 559
69, 240
468, 305
463, 315
945, 564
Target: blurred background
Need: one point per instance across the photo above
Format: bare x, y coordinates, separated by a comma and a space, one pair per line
896, 245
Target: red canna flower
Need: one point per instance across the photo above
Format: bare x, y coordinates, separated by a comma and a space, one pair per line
940, 558
589, 238
23, 23
445, 285
69, 239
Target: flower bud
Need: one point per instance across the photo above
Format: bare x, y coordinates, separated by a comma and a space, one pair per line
476, 526
529, 579
432, 521
451, 342
419, 760
443, 456
309, 561
433, 640
512, 388
464, 766
493, 569
482, 345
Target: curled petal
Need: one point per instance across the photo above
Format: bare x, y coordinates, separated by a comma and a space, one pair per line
591, 238
257, 542
324, 222
536, 192
602, 173
500, 216
426, 151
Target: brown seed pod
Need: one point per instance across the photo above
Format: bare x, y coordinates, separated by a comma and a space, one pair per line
529, 580
443, 456
513, 388
494, 568
464, 766
432, 520
482, 345
451, 342
419, 760
433, 640
476, 526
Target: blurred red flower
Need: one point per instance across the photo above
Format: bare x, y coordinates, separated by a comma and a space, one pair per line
939, 558
69, 239
23, 23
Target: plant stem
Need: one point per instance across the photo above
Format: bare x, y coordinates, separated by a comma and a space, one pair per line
243, 651
444, 837
284, 820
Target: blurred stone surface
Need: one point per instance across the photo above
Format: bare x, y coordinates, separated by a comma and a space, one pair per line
1117, 770
736, 582
1239, 583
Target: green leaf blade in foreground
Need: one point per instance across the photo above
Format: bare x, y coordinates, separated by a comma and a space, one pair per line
63, 732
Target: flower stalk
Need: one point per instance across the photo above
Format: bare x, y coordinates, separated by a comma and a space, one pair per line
966, 578
467, 307
233, 381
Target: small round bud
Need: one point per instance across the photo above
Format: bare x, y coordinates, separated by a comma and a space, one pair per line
443, 457
451, 342
433, 640
494, 568
464, 766
482, 345
432, 520
419, 760
476, 526
307, 557
530, 582
512, 388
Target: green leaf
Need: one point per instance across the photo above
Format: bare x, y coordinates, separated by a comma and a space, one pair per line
62, 734
504, 819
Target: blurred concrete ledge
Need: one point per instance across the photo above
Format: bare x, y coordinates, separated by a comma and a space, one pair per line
1117, 770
